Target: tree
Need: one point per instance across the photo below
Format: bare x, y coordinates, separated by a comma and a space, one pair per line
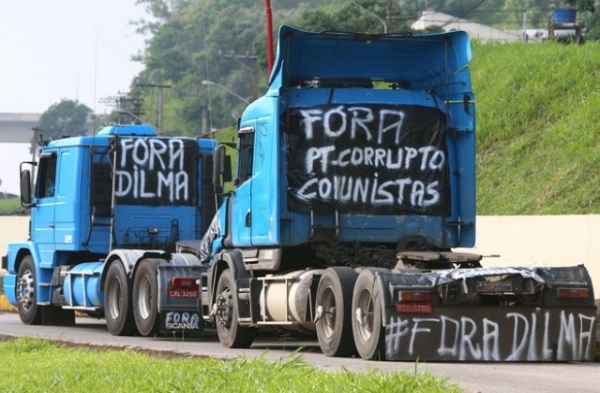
198, 40
587, 13
192, 42
64, 118
583, 5
367, 17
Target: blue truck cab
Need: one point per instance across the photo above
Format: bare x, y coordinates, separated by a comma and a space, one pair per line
365, 141
361, 154
110, 197
350, 148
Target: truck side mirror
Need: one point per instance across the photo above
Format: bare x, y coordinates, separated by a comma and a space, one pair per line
227, 168
221, 169
26, 194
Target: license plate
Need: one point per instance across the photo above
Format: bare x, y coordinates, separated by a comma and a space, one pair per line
181, 293
494, 286
414, 308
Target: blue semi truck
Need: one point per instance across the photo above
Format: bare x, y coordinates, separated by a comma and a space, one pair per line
355, 179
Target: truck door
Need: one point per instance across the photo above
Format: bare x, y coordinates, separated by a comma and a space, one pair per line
264, 188
42, 215
241, 198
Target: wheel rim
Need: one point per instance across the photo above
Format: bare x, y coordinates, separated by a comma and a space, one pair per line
329, 308
26, 290
145, 297
224, 311
365, 314
114, 295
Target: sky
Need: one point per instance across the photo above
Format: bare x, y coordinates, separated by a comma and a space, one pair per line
12, 154
54, 49
74, 49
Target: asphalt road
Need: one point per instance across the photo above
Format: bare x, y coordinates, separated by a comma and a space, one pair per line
473, 377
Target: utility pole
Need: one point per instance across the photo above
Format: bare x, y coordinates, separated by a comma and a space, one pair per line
269, 25
374, 15
388, 15
159, 105
525, 25
254, 68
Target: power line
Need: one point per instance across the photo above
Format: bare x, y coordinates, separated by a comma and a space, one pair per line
159, 108
464, 13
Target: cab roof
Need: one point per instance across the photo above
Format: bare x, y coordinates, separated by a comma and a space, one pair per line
415, 61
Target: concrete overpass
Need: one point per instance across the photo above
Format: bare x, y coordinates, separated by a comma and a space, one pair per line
16, 136
16, 127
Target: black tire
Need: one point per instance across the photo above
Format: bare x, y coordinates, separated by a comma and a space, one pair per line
29, 311
145, 298
367, 324
334, 327
231, 334
117, 301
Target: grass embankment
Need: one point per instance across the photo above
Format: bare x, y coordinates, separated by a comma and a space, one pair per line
538, 128
62, 369
9, 206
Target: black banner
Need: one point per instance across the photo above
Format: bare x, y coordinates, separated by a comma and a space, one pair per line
492, 333
156, 171
369, 159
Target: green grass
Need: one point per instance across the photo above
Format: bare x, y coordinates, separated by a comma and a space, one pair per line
226, 135
538, 128
34, 365
9, 206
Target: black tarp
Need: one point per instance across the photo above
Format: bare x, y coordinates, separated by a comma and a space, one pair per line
156, 171
368, 158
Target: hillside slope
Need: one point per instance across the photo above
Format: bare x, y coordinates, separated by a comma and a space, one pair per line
538, 118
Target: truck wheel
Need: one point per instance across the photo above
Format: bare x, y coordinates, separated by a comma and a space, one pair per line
366, 319
29, 312
145, 298
117, 301
231, 334
334, 296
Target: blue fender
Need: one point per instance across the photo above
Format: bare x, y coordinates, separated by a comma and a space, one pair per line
128, 258
132, 258
229, 259
16, 252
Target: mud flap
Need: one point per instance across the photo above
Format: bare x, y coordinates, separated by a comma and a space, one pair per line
489, 314
178, 309
490, 333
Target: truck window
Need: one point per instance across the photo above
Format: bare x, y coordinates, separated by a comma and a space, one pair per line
46, 176
246, 135
101, 189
